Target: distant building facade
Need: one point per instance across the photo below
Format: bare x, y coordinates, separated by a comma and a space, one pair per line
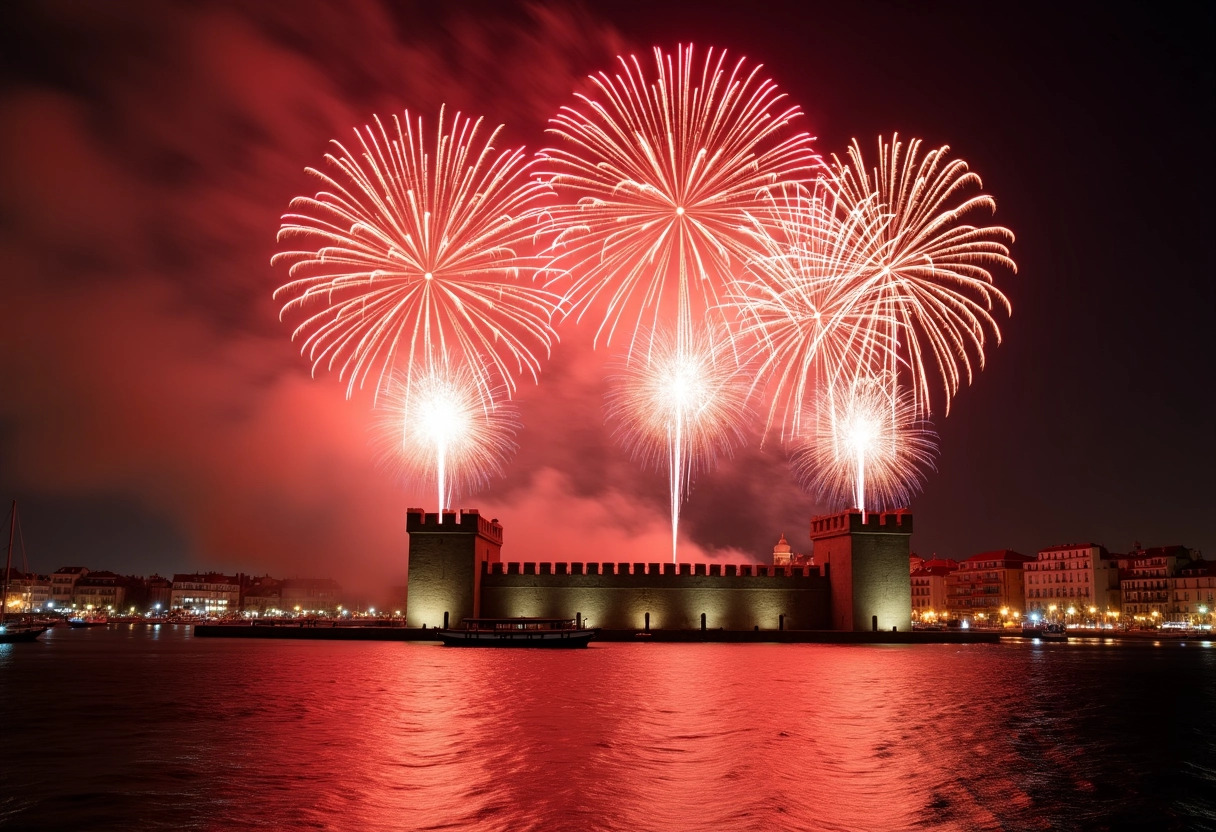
1082, 577
929, 590
1146, 582
262, 596
784, 555
102, 591
27, 591
158, 594
315, 595
206, 593
63, 584
985, 584
1194, 591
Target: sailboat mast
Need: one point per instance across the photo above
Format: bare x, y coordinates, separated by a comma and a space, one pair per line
8, 564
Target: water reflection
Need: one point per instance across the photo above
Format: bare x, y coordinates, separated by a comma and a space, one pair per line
150, 727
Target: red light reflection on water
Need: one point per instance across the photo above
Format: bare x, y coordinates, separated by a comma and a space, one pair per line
637, 737
218, 734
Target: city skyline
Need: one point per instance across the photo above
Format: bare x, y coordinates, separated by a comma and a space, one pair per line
157, 409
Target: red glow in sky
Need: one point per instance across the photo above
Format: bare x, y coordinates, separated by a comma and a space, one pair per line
155, 416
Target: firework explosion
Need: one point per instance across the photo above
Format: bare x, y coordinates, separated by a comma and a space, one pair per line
656, 174
869, 441
679, 407
408, 255
438, 426
797, 304
924, 278
680, 193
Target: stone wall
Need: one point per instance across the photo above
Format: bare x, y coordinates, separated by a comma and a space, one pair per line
619, 596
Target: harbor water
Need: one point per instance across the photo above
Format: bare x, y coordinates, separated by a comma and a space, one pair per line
149, 728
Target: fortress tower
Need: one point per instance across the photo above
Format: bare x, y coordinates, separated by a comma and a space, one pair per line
868, 566
445, 566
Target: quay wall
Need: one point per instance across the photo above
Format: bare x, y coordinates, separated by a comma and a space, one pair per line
675, 596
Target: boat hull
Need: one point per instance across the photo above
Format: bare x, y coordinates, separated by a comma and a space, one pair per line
508, 638
17, 635
1045, 633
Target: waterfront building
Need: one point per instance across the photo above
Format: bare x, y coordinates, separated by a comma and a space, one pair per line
27, 591
158, 594
205, 593
317, 595
861, 582
1145, 583
102, 590
929, 590
63, 584
1194, 593
1082, 577
262, 596
985, 584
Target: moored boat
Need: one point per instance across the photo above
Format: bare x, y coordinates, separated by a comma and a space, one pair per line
518, 632
88, 621
14, 630
1045, 631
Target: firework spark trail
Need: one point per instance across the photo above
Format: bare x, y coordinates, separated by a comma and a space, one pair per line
414, 250
798, 306
868, 445
655, 178
925, 274
438, 425
680, 405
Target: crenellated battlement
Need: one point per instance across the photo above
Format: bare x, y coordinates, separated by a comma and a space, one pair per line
852, 522
711, 570
466, 521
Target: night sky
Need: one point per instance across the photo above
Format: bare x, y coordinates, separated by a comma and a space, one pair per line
155, 416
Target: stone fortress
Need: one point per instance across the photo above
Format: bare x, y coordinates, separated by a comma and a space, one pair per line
860, 581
